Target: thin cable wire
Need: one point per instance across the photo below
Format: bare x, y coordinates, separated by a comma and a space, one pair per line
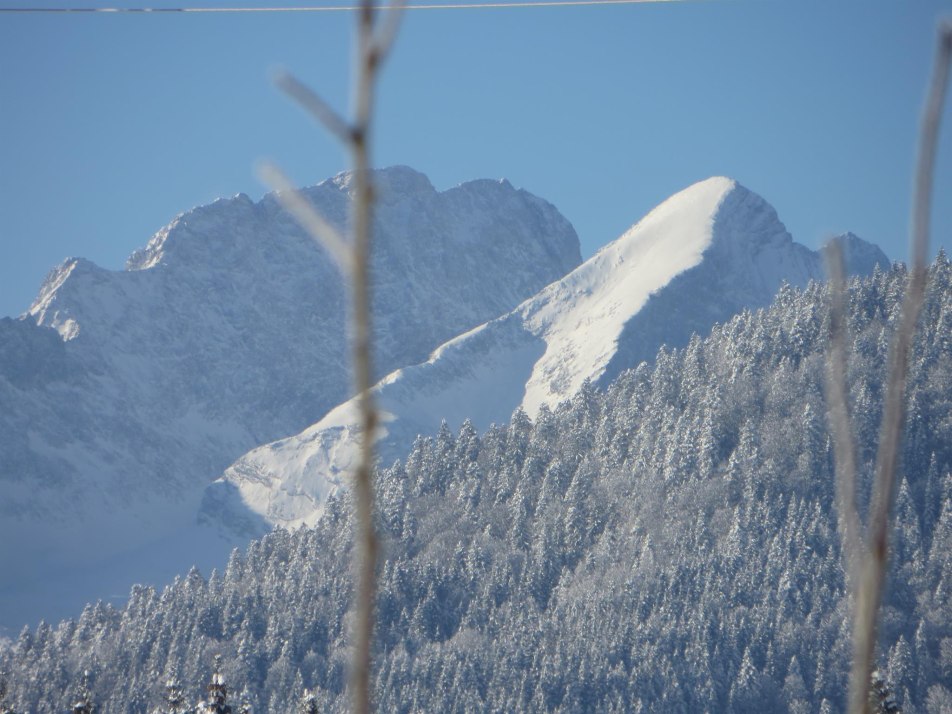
324, 8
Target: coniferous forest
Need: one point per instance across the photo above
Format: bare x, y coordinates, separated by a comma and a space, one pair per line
668, 544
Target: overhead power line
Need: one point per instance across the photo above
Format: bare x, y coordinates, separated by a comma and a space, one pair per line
324, 8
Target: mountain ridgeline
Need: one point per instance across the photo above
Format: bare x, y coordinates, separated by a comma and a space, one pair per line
667, 543
125, 393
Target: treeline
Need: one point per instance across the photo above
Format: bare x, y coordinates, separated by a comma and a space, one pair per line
176, 702
669, 544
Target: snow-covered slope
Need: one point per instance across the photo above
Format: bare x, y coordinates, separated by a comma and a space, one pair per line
698, 258
125, 393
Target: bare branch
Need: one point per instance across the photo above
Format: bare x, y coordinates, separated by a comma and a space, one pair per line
869, 596
315, 106
844, 443
323, 233
387, 30
368, 64
355, 262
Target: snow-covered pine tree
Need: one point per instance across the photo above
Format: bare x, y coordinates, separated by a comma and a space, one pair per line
244, 705
174, 696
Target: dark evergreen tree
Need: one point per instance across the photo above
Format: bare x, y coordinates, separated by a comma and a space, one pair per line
880, 695
84, 700
5, 708
308, 703
217, 692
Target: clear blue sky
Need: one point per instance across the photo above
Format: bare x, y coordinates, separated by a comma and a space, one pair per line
112, 124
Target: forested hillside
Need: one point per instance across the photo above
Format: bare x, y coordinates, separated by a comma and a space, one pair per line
669, 544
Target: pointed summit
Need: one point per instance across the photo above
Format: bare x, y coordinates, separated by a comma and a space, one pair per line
582, 316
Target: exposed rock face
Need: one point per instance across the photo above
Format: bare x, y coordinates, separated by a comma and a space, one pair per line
228, 330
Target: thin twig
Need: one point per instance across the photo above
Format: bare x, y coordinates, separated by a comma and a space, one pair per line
372, 47
869, 596
844, 442
323, 233
387, 31
315, 106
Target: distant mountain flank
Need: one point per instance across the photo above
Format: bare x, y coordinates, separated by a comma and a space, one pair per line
125, 393
699, 258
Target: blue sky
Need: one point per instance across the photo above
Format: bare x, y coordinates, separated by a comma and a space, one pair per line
112, 124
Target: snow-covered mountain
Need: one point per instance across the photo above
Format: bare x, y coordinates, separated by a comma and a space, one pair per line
701, 256
125, 393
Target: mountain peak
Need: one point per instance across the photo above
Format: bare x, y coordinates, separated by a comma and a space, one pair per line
718, 211
396, 179
583, 315
861, 256
229, 330
697, 204
711, 185
187, 236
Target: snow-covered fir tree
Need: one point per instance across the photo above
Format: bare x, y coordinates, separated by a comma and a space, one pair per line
244, 702
175, 702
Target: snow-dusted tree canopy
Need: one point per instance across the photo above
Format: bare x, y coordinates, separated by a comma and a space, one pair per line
668, 544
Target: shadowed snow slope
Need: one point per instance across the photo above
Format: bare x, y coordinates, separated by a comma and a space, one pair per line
700, 257
125, 393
